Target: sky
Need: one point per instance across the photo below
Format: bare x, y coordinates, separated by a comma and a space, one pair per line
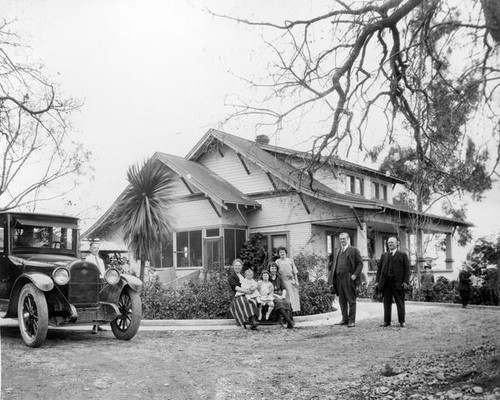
154, 75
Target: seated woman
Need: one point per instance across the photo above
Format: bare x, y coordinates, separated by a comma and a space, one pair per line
243, 310
282, 306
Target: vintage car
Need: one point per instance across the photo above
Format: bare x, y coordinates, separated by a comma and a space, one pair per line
44, 282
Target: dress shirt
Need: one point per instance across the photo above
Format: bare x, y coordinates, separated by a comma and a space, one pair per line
97, 261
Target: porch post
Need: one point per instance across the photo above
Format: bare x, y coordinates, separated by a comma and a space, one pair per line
449, 252
403, 238
362, 244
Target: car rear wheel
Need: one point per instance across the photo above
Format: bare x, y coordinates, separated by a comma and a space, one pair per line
126, 325
33, 315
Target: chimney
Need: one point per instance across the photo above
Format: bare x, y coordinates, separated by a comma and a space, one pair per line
262, 139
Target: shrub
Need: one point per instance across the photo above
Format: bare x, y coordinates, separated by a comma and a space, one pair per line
311, 267
253, 253
207, 298
315, 296
368, 291
210, 296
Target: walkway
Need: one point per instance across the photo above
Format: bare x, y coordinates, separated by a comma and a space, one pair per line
366, 309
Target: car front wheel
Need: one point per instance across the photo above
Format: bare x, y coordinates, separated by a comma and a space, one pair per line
126, 325
33, 315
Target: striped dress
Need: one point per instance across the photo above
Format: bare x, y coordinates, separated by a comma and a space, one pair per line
241, 308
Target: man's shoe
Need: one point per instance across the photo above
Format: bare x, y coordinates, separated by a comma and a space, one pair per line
351, 325
342, 323
385, 324
402, 325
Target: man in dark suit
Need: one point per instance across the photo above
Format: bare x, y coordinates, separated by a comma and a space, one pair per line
344, 276
393, 277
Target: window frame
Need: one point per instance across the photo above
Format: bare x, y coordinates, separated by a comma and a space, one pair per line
228, 259
355, 184
380, 191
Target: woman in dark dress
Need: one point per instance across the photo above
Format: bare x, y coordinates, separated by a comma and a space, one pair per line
242, 309
282, 306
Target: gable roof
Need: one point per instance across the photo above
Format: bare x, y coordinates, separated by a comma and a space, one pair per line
280, 169
212, 185
334, 162
195, 175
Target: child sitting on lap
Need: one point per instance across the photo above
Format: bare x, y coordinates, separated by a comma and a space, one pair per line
248, 283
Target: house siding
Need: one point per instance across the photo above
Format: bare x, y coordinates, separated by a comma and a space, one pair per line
232, 170
180, 189
193, 214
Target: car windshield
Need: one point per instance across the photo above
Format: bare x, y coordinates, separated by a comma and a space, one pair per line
51, 237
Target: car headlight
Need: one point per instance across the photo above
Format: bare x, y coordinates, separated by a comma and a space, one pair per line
61, 276
112, 276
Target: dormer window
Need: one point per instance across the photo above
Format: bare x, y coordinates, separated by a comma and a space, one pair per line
355, 185
379, 191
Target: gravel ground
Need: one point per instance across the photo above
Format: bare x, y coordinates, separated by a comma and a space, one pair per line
443, 353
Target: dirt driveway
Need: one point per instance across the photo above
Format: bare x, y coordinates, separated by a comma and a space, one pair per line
443, 350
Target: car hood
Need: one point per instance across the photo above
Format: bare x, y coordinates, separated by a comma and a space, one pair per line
49, 260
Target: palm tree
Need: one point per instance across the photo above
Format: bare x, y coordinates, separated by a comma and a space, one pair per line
142, 210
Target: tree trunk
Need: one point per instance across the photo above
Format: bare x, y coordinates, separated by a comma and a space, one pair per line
141, 271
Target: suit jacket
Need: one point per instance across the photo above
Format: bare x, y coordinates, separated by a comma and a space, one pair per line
401, 269
354, 262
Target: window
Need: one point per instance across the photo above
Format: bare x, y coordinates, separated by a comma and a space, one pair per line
379, 191
55, 237
212, 232
189, 249
272, 241
163, 258
355, 185
233, 242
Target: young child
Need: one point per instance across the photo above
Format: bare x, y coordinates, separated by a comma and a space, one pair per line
266, 292
249, 283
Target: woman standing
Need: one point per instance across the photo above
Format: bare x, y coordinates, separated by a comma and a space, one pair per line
288, 273
242, 309
282, 306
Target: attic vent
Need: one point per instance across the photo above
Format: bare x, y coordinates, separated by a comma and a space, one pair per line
262, 139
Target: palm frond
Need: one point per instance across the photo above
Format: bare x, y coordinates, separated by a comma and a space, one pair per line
142, 212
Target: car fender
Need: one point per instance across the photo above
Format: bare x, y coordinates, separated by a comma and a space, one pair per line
134, 282
111, 293
41, 281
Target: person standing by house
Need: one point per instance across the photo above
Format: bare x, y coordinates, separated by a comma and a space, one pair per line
282, 305
464, 287
427, 283
289, 276
94, 258
393, 277
242, 309
344, 276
